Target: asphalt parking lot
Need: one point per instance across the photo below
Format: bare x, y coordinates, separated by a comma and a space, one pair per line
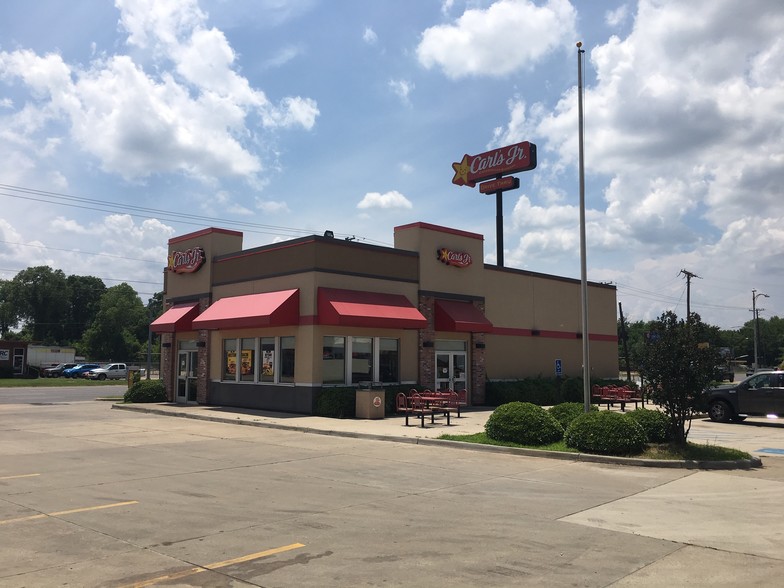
91, 496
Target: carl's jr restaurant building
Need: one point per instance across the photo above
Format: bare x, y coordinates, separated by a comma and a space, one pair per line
269, 327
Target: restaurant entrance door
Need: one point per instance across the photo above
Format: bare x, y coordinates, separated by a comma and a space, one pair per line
187, 361
451, 362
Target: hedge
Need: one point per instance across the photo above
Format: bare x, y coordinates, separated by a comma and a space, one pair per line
523, 423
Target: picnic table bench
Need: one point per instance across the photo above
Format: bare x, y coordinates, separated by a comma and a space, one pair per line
428, 402
611, 394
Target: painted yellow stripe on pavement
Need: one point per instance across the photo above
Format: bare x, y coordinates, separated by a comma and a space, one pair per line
18, 476
214, 566
67, 512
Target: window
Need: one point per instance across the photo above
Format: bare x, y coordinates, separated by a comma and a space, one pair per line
229, 359
361, 359
373, 359
263, 359
267, 359
389, 360
287, 359
334, 360
248, 360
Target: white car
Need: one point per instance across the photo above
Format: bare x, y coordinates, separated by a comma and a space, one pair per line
109, 371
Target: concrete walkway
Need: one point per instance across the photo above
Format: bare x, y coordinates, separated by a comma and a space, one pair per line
758, 437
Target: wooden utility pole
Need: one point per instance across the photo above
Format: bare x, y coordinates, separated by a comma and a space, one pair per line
689, 276
625, 340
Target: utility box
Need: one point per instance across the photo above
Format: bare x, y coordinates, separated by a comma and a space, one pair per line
370, 403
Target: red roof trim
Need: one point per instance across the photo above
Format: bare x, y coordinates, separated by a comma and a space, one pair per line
440, 229
202, 233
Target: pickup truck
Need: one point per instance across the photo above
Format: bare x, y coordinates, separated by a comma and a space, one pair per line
759, 395
109, 371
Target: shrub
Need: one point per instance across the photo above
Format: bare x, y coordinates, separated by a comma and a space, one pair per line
336, 403
540, 390
654, 423
523, 423
566, 412
146, 391
606, 433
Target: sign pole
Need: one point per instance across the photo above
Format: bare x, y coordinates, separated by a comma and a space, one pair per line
499, 226
583, 269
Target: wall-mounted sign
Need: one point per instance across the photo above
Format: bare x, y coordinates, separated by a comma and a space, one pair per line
186, 262
455, 258
502, 185
498, 162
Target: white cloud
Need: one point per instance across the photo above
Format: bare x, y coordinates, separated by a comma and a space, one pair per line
192, 115
369, 36
402, 89
508, 36
272, 207
388, 200
684, 131
617, 17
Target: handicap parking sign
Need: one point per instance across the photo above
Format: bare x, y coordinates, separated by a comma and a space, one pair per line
558, 367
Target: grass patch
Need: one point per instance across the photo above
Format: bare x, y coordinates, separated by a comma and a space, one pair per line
483, 439
693, 451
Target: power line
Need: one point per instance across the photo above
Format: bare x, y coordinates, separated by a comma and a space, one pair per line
61, 199
157, 262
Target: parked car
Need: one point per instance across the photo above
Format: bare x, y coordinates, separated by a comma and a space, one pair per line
56, 371
79, 369
109, 371
759, 395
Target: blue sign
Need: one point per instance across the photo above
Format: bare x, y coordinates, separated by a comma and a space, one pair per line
558, 367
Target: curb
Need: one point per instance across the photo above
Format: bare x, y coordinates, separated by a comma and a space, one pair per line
738, 464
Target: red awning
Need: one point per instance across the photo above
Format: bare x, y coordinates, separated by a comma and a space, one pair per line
453, 315
270, 309
352, 308
177, 319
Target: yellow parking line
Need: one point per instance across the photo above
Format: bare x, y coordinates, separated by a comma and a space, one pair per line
214, 566
18, 476
67, 512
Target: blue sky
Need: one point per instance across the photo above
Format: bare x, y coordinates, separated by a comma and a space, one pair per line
122, 125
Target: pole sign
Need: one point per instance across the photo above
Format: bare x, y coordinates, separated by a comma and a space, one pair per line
502, 185
503, 161
558, 368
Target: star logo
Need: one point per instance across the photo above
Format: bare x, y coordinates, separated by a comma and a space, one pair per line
461, 171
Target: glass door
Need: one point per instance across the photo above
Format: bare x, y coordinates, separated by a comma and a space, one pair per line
186, 376
451, 371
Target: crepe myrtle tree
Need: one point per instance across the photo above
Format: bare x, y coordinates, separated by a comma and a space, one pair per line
677, 365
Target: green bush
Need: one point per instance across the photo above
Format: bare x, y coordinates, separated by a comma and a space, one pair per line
541, 391
654, 423
605, 433
146, 391
336, 403
341, 402
524, 423
566, 412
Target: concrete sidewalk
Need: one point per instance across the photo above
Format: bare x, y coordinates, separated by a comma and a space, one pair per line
756, 436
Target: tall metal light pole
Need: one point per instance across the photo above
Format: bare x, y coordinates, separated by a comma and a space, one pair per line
583, 264
754, 296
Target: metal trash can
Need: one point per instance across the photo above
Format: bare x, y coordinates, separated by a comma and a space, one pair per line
370, 402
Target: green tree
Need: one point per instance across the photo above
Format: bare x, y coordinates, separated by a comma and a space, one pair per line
155, 305
84, 297
8, 316
677, 365
37, 297
119, 326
